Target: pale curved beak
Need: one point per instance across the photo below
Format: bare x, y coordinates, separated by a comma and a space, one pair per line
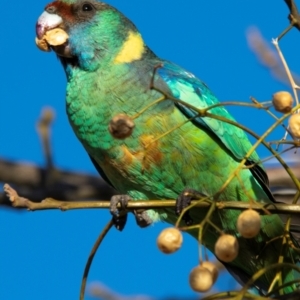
46, 22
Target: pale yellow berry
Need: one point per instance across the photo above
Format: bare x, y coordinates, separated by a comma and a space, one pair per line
227, 248
201, 279
56, 37
169, 240
283, 101
294, 125
248, 223
212, 268
121, 126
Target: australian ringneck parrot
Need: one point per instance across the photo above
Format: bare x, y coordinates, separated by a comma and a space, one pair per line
111, 71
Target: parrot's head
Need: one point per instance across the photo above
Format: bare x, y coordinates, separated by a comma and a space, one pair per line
87, 34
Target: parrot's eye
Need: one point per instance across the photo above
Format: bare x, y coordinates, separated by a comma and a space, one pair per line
87, 7
85, 11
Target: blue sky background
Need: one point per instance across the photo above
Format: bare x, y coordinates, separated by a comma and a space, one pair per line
42, 254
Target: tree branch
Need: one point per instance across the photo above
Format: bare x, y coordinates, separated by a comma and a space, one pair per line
50, 203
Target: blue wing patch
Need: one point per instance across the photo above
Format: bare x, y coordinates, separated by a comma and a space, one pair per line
186, 87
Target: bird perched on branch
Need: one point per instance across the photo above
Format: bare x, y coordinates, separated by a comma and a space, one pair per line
138, 118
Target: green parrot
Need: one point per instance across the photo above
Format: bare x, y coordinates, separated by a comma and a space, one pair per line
171, 153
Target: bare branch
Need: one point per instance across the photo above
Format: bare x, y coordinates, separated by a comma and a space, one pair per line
49, 203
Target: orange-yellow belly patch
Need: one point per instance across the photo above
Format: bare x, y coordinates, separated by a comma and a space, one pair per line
147, 155
151, 154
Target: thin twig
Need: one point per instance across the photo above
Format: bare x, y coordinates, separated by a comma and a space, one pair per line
232, 295
91, 257
288, 72
260, 273
294, 16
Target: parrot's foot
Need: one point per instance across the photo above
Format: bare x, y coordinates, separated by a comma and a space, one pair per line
142, 218
183, 201
120, 215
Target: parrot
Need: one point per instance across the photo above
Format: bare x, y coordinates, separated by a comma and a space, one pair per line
166, 149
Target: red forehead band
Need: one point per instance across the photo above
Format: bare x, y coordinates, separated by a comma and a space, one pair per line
62, 9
